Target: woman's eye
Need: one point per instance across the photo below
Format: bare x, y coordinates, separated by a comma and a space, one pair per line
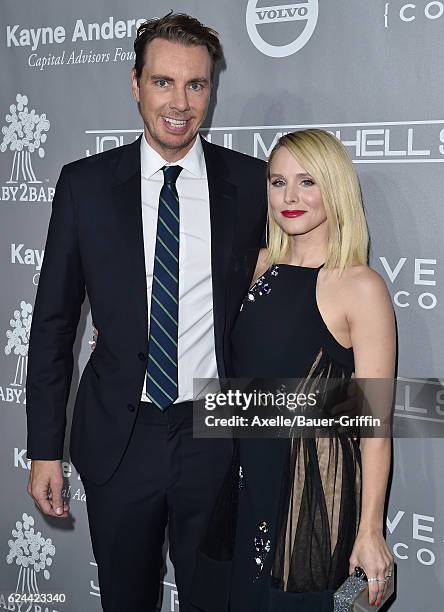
308, 182
277, 183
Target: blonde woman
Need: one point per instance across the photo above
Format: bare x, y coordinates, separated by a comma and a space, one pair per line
304, 515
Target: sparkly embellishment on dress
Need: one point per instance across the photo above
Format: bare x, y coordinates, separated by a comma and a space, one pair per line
241, 478
262, 547
260, 287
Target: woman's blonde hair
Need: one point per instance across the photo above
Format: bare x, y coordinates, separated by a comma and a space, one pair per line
325, 158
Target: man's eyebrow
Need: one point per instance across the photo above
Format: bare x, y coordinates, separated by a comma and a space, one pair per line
198, 80
158, 77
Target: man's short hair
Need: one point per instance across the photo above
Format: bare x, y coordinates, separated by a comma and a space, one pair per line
180, 28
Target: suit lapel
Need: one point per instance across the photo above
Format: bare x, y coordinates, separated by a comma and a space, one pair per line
128, 214
222, 195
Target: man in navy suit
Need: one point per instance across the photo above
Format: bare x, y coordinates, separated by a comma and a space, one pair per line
164, 286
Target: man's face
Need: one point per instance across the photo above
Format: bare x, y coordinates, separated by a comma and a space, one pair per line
173, 93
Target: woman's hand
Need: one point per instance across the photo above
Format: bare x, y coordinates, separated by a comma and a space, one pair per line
92, 343
371, 552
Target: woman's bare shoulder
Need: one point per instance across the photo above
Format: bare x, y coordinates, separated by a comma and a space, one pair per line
361, 287
363, 281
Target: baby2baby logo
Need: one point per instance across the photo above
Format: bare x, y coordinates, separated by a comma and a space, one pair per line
31, 555
24, 134
17, 350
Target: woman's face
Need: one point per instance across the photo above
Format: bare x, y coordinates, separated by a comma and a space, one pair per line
294, 198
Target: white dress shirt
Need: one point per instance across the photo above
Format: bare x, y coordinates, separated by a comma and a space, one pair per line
196, 350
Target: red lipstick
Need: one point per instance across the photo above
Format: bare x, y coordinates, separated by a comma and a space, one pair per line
293, 213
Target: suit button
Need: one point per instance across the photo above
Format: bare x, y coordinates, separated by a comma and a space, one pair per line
142, 356
131, 408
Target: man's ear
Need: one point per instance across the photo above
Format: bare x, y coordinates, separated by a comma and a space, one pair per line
134, 86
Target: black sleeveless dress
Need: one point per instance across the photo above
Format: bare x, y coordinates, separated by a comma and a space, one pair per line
284, 525
299, 499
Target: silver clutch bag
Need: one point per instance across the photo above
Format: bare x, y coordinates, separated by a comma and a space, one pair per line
352, 595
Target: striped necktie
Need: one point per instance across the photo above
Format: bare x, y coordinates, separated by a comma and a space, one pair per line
162, 382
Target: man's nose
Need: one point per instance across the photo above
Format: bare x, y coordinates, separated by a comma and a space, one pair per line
179, 100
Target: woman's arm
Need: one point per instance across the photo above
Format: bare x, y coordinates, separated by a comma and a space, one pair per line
372, 328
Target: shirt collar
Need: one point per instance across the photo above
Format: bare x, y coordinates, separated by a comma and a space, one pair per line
151, 162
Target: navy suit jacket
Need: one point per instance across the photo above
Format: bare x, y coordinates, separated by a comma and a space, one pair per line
95, 245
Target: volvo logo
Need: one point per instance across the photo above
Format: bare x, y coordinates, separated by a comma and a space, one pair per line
302, 11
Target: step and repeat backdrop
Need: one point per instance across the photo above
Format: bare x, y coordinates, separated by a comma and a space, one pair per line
372, 73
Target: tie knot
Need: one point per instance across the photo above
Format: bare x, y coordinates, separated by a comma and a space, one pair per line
170, 174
